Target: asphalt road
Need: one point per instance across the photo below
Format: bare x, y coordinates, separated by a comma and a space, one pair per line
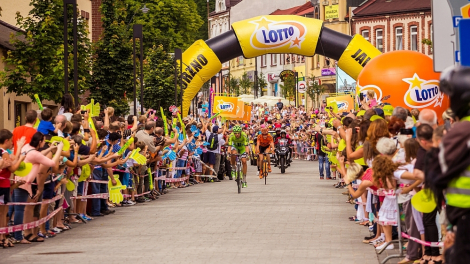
295, 218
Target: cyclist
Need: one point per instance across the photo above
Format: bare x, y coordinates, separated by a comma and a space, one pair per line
264, 142
238, 143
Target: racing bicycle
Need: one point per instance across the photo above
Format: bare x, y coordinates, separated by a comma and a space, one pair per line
238, 171
264, 165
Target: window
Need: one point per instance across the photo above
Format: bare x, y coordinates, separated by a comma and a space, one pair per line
263, 61
241, 60
318, 61
365, 34
302, 59
273, 59
282, 59
287, 58
430, 38
398, 38
414, 38
379, 41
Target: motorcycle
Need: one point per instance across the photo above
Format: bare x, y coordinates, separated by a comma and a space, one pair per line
282, 153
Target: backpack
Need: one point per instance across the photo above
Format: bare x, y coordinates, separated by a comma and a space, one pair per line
213, 141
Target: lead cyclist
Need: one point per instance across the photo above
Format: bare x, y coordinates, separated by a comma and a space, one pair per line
238, 143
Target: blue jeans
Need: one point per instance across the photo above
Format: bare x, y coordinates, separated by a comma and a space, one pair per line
99, 205
321, 160
19, 196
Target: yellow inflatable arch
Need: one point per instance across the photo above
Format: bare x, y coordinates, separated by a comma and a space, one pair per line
271, 34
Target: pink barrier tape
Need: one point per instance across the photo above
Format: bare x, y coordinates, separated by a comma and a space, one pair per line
92, 196
42, 202
425, 243
11, 229
176, 179
387, 222
136, 195
97, 181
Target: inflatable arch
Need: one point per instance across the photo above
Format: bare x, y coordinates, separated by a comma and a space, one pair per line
271, 34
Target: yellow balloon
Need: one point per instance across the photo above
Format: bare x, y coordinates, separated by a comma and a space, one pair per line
424, 201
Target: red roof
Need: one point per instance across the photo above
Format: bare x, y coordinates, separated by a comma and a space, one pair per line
378, 7
296, 10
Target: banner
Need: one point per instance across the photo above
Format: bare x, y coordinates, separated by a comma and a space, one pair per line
331, 12
227, 106
278, 34
246, 114
345, 103
357, 54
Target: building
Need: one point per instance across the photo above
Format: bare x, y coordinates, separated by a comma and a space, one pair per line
395, 24
13, 108
219, 22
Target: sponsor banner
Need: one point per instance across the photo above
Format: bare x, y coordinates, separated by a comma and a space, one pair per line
200, 64
227, 106
328, 71
358, 53
246, 114
278, 34
302, 87
331, 12
345, 103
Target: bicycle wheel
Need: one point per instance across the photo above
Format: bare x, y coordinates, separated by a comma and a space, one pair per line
239, 177
265, 169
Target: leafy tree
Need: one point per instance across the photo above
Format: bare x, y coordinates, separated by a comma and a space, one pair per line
159, 90
202, 11
288, 87
314, 90
261, 83
245, 83
112, 76
171, 23
36, 65
232, 86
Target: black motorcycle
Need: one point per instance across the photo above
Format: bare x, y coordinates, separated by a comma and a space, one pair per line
282, 154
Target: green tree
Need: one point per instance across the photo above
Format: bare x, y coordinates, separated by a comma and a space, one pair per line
232, 86
245, 83
36, 64
288, 87
112, 68
171, 23
202, 11
159, 90
314, 90
261, 84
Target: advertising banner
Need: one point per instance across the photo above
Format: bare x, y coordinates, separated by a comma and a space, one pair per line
227, 106
331, 12
345, 103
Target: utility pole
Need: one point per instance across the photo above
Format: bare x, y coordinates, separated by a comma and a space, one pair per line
208, 25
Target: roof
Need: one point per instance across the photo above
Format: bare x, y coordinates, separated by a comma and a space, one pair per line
378, 7
5, 32
296, 10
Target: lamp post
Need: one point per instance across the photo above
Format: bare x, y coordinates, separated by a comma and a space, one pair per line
296, 76
138, 34
178, 57
75, 52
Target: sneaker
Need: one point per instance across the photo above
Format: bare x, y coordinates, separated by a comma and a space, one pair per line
244, 185
108, 212
56, 230
261, 175
129, 202
234, 175
376, 241
390, 246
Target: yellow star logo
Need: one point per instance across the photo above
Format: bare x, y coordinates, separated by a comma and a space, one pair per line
263, 22
414, 82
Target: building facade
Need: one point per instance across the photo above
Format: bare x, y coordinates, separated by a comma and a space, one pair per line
395, 24
14, 107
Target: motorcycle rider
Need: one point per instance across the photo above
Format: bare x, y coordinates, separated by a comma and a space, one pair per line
283, 134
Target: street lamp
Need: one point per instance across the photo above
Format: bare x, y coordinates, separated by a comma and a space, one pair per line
138, 34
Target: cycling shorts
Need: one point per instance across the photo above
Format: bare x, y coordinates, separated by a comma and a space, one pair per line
262, 149
241, 151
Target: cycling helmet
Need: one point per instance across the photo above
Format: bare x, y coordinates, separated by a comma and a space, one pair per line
278, 129
237, 129
283, 131
264, 131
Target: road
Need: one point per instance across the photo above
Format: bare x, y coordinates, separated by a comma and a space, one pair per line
295, 218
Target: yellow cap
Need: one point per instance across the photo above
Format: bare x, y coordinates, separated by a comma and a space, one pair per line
388, 110
361, 113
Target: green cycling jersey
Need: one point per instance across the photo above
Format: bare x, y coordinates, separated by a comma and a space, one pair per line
238, 143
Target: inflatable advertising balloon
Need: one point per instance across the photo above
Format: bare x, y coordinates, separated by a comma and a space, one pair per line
407, 77
344, 103
269, 35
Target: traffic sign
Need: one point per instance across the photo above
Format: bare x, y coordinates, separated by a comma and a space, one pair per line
302, 88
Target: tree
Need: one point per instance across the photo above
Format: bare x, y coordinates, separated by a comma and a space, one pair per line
36, 64
202, 11
231, 85
159, 90
314, 90
112, 69
288, 87
171, 23
245, 83
261, 83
